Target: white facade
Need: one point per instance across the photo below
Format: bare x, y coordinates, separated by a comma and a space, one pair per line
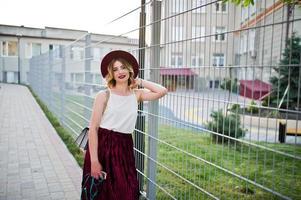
30, 42
210, 37
262, 38
198, 39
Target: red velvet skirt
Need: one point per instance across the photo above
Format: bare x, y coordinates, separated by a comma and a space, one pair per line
116, 155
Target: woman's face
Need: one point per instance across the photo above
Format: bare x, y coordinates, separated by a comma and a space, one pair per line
121, 73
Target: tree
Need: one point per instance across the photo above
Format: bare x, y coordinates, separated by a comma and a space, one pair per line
288, 74
246, 3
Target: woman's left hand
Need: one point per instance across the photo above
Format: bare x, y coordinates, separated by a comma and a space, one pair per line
135, 83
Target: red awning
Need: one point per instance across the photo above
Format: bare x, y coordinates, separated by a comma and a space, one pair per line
254, 89
255, 85
177, 71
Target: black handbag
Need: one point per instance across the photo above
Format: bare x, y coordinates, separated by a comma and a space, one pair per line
91, 187
82, 140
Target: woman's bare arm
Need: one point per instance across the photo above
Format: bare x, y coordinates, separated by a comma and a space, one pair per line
153, 91
96, 116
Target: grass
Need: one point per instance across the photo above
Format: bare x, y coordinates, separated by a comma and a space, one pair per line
62, 132
272, 170
266, 168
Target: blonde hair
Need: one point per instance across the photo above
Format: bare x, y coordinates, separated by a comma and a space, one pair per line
111, 82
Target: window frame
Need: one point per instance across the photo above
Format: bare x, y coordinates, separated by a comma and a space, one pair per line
218, 35
197, 3
32, 47
177, 33
197, 58
220, 6
218, 58
178, 60
6, 47
202, 32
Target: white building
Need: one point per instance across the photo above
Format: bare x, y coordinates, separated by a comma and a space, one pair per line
207, 40
262, 37
18, 44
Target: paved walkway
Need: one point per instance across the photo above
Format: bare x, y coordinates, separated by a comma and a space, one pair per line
34, 162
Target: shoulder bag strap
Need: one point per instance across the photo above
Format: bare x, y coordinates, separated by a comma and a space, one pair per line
107, 99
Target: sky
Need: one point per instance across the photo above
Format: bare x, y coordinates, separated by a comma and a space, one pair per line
88, 15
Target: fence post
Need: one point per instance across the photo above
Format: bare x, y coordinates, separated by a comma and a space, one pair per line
45, 82
88, 75
50, 61
153, 105
31, 73
282, 132
140, 125
40, 78
62, 84
35, 79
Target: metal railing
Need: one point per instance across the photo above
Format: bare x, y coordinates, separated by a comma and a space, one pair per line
216, 134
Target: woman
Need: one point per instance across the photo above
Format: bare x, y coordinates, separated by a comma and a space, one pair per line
112, 123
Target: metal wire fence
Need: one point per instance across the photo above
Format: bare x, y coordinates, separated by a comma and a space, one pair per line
229, 127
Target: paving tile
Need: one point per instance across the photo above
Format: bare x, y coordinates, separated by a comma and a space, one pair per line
41, 193
34, 162
55, 187
72, 195
27, 185
57, 195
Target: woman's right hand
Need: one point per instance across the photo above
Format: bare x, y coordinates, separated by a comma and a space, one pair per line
96, 169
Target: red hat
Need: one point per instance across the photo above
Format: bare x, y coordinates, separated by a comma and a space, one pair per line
115, 55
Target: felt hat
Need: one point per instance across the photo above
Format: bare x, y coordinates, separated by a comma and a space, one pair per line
115, 55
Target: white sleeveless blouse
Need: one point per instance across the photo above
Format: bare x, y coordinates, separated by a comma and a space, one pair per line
121, 113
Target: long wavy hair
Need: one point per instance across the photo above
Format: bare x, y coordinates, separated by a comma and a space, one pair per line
111, 82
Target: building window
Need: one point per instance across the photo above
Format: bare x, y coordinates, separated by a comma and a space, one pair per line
177, 33
11, 77
36, 49
72, 77
9, 48
220, 7
98, 53
252, 40
97, 79
56, 50
176, 60
244, 13
178, 5
198, 33
247, 42
252, 8
219, 33
77, 53
79, 77
28, 50
214, 84
218, 59
196, 61
198, 3
243, 43
247, 12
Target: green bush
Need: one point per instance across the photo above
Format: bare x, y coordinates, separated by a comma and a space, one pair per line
230, 84
274, 114
252, 108
226, 125
265, 101
235, 108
